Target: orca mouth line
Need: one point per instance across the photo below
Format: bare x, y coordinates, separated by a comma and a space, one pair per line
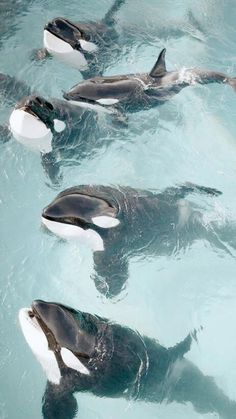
30, 111
70, 221
53, 345
83, 100
74, 44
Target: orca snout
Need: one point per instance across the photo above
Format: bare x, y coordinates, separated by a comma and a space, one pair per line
47, 312
39, 307
40, 102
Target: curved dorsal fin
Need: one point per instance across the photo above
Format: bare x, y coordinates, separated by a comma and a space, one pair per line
159, 68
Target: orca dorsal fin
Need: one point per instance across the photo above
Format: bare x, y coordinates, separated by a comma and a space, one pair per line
159, 68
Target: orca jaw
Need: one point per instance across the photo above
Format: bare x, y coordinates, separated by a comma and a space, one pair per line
41, 109
74, 215
66, 31
71, 229
65, 40
77, 100
33, 123
43, 325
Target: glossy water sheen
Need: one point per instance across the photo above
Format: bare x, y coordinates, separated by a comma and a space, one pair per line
191, 138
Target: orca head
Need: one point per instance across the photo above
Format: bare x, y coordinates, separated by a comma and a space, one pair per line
34, 121
59, 336
80, 216
92, 93
68, 42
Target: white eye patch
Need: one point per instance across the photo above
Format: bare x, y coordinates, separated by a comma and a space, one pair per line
71, 361
107, 101
38, 343
59, 126
105, 221
88, 46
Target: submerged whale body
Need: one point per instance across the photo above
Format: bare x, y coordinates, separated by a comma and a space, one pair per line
120, 223
85, 46
83, 352
133, 92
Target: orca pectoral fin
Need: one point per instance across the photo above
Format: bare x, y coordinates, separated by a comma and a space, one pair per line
181, 348
58, 403
39, 54
12, 89
5, 134
51, 167
181, 191
159, 68
232, 83
111, 273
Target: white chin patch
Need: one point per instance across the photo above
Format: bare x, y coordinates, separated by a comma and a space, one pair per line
71, 361
105, 221
107, 101
91, 106
30, 131
70, 232
39, 345
64, 51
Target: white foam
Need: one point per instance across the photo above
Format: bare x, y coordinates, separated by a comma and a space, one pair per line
73, 362
64, 51
38, 343
105, 221
107, 101
187, 75
71, 232
30, 131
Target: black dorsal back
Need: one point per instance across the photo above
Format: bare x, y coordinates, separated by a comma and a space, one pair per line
159, 68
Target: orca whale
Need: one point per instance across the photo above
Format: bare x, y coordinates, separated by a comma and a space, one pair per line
134, 92
83, 352
59, 132
85, 46
118, 223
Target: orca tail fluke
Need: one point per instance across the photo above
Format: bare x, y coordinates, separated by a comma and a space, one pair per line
191, 385
5, 134
194, 27
109, 18
232, 83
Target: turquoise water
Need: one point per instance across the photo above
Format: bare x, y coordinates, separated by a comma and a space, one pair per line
190, 138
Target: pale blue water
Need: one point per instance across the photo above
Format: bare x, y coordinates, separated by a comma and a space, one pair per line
190, 138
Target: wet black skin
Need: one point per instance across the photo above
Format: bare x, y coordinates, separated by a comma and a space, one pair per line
81, 137
122, 363
151, 224
136, 92
103, 34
